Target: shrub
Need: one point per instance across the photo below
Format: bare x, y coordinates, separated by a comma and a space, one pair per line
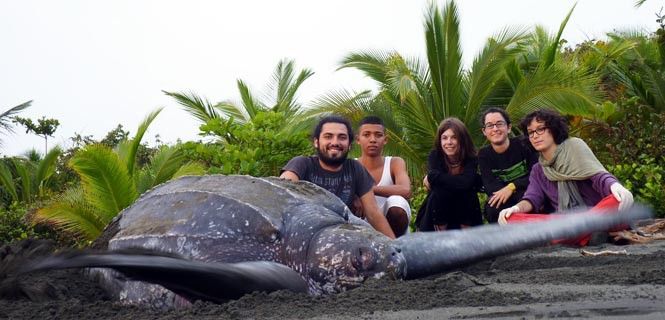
258, 148
645, 180
15, 226
633, 149
638, 134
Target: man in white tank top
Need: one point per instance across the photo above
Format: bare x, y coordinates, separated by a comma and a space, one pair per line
392, 185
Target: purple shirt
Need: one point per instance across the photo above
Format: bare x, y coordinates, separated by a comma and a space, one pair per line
540, 189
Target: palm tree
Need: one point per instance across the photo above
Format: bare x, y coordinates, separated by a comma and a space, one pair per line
110, 182
640, 69
26, 179
518, 70
284, 86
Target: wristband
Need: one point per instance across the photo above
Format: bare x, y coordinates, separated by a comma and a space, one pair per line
511, 186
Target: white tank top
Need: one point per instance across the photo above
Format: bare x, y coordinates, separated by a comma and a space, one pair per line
386, 178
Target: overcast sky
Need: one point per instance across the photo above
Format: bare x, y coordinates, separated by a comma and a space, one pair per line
93, 64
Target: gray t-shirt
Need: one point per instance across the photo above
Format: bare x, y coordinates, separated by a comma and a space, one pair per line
353, 180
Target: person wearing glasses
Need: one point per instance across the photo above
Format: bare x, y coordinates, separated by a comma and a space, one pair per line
504, 164
452, 181
567, 176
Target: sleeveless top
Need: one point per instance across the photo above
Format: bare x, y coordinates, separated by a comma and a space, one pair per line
386, 178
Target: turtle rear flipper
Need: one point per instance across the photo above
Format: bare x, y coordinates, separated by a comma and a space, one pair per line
193, 280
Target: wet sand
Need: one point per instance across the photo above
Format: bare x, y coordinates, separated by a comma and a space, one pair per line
541, 283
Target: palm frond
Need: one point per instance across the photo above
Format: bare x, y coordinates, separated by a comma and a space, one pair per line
489, 68
288, 102
7, 181
23, 169
553, 48
232, 110
106, 182
285, 86
419, 123
630, 34
611, 52
654, 84
281, 79
6, 117
561, 88
72, 213
32, 155
342, 102
163, 165
198, 107
251, 105
190, 169
46, 168
400, 80
371, 63
130, 157
444, 56
453, 70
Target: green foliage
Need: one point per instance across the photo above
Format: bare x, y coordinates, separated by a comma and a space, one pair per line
71, 213
44, 127
127, 150
633, 148
112, 138
166, 164
15, 225
107, 183
645, 180
27, 180
258, 148
7, 183
638, 134
110, 181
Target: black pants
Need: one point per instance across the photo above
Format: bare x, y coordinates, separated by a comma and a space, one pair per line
450, 208
492, 213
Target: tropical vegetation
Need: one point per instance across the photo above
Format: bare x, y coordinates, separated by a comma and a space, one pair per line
109, 182
516, 69
612, 90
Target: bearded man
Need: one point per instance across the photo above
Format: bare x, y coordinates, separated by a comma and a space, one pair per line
333, 171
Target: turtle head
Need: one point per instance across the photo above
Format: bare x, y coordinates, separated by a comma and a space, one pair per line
343, 256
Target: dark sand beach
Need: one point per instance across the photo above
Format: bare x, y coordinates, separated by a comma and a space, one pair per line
546, 282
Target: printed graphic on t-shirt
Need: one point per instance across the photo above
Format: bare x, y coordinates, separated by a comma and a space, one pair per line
510, 174
340, 185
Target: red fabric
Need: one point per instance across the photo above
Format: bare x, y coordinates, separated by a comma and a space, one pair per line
609, 202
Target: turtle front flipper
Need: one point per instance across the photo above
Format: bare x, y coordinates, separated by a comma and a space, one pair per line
428, 253
193, 280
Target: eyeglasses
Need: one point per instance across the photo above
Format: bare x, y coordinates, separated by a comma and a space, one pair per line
498, 125
538, 131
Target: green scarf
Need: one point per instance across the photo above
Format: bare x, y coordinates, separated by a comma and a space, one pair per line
572, 161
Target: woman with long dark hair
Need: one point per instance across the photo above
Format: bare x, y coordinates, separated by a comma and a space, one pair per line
452, 180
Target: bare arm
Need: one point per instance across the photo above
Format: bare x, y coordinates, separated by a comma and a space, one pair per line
374, 216
402, 186
289, 175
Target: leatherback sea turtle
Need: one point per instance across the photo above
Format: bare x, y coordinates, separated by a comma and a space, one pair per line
218, 237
